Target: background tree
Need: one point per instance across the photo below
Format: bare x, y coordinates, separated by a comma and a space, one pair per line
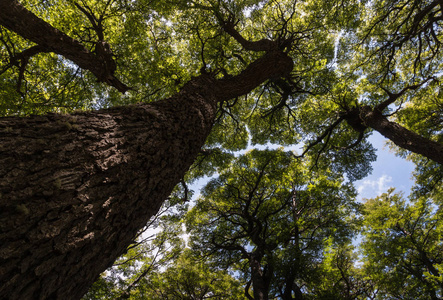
267, 218
389, 69
342, 277
401, 40
191, 278
402, 249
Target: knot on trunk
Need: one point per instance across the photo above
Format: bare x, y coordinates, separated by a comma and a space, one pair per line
104, 55
355, 117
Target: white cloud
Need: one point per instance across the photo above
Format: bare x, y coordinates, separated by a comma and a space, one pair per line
371, 188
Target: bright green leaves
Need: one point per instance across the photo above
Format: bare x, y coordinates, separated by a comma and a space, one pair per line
402, 248
340, 276
190, 278
423, 112
266, 206
406, 33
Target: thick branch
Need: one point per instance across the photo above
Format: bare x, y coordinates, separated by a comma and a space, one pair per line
271, 66
261, 45
17, 18
394, 96
401, 136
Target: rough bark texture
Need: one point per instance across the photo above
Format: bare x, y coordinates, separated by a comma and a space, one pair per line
75, 189
18, 19
401, 136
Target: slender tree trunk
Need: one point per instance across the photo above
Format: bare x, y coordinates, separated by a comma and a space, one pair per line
295, 268
76, 189
289, 282
259, 286
401, 136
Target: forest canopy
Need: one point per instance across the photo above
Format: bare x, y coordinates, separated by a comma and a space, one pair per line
112, 109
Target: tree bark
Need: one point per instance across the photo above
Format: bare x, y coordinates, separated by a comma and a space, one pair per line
76, 189
401, 136
259, 287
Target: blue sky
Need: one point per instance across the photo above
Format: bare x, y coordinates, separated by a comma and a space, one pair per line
388, 171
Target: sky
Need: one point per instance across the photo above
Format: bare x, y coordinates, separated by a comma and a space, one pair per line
388, 171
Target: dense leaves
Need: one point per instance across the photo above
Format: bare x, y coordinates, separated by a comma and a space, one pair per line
266, 218
402, 247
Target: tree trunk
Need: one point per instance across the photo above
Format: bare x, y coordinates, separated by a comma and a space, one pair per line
76, 189
401, 136
259, 287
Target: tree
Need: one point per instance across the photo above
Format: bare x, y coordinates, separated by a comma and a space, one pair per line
77, 188
265, 217
72, 224
402, 250
391, 65
194, 279
341, 278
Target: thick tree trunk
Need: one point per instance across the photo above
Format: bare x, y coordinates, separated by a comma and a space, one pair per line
75, 189
401, 136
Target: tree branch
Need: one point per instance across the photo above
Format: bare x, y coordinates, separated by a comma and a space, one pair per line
261, 45
248, 285
392, 97
401, 136
24, 57
17, 18
96, 24
320, 138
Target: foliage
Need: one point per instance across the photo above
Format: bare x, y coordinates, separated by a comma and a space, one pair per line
341, 277
402, 247
266, 208
192, 279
